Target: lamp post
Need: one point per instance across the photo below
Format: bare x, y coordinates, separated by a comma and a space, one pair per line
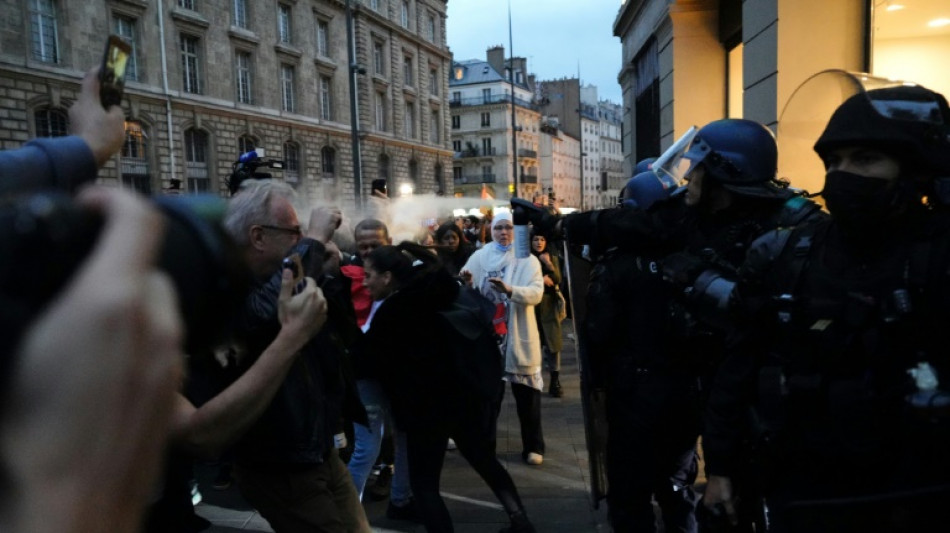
355, 70
514, 125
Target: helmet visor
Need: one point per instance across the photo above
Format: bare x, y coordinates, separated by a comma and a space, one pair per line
673, 165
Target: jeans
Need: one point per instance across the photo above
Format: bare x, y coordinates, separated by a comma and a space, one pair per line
369, 439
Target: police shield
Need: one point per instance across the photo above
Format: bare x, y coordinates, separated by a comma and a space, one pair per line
577, 271
805, 116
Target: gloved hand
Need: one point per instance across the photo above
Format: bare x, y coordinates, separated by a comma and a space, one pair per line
543, 220
682, 268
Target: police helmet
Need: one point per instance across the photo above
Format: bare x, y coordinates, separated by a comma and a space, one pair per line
740, 155
644, 165
644, 189
907, 121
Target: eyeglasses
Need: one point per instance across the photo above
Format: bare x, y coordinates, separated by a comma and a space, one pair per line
295, 231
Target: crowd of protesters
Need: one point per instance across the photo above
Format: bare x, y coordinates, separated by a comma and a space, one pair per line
332, 333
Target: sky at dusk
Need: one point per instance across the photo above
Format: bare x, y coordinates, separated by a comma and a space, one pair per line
556, 36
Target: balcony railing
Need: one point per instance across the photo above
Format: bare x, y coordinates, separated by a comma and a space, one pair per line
529, 178
475, 179
476, 152
492, 99
524, 152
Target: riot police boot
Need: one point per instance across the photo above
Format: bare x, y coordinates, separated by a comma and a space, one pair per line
555, 388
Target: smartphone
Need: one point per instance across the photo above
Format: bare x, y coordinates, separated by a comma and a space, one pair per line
112, 72
295, 265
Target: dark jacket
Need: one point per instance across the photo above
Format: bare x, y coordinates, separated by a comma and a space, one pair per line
425, 355
306, 412
546, 311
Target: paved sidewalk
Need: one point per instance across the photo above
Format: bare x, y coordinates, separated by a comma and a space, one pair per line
555, 494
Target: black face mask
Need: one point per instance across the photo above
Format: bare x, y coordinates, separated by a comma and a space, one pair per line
861, 203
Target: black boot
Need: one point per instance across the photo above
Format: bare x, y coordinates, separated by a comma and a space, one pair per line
519, 524
555, 388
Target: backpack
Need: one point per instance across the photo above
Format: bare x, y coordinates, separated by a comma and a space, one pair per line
472, 348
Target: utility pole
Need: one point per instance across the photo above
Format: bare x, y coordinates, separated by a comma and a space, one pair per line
514, 125
355, 70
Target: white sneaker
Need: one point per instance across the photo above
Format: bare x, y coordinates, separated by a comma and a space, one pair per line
534, 459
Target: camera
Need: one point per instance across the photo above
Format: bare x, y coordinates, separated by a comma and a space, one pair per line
246, 166
45, 236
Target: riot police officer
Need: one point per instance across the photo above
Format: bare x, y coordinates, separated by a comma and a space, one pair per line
659, 347
836, 378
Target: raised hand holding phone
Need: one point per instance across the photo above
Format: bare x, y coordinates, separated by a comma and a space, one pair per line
113, 69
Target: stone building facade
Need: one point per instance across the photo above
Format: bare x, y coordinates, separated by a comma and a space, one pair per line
211, 79
689, 62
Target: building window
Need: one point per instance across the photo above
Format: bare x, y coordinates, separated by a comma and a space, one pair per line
283, 24
287, 87
434, 81
404, 14
328, 161
134, 162
291, 162
242, 64
187, 4
240, 13
125, 28
246, 144
381, 111
439, 176
456, 122
383, 167
410, 120
379, 58
647, 101
196, 161
374, 5
407, 72
486, 119
486, 146
326, 102
486, 96
414, 173
430, 28
435, 131
51, 123
43, 31
190, 65
456, 97
323, 38
457, 174
456, 146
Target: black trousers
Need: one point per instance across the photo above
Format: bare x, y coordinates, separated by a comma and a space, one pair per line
528, 404
654, 421
472, 432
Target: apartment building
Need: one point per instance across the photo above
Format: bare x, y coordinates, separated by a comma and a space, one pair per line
211, 79
493, 101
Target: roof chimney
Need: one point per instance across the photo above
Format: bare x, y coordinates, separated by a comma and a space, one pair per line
496, 58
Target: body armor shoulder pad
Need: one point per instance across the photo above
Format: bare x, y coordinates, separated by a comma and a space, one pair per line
763, 252
798, 210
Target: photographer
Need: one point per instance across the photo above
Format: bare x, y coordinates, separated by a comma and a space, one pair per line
286, 464
85, 415
90, 385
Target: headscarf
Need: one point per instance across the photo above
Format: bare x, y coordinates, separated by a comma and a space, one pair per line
503, 215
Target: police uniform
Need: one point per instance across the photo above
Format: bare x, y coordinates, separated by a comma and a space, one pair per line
835, 379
